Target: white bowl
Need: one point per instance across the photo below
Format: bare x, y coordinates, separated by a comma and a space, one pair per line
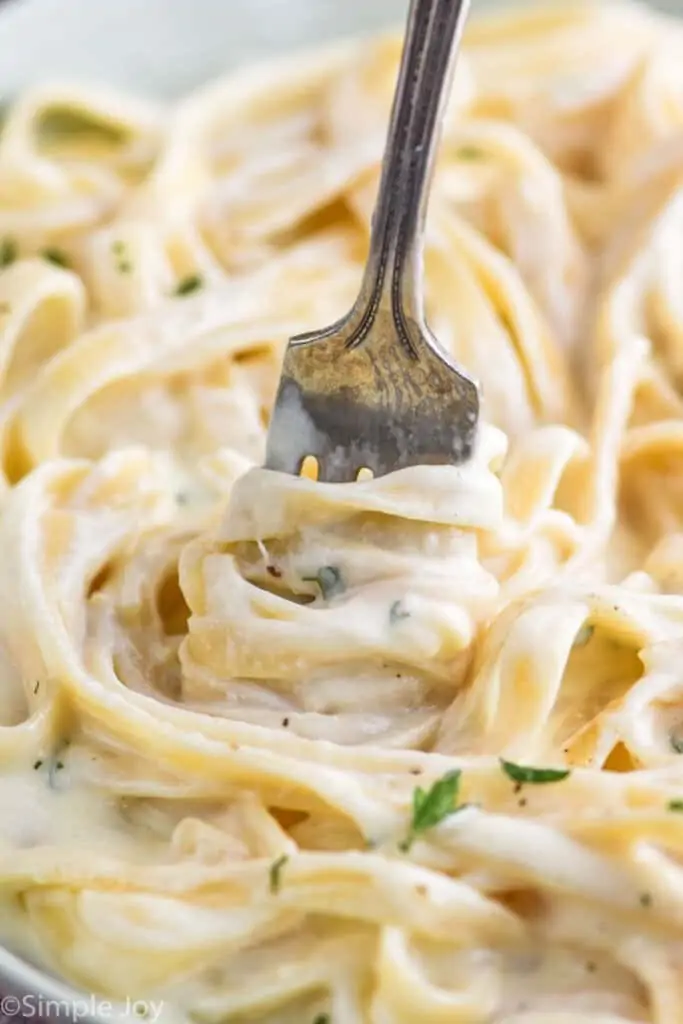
169, 46
166, 46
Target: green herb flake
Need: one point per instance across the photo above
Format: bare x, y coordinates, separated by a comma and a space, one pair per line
36, 686
431, 806
189, 284
397, 613
675, 805
676, 742
323, 1018
56, 256
645, 899
141, 1010
37, 764
470, 153
275, 872
8, 252
123, 263
584, 636
330, 581
64, 123
535, 776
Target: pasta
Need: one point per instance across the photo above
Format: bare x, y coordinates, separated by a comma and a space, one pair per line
394, 751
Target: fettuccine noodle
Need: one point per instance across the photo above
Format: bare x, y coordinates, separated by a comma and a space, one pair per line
226, 694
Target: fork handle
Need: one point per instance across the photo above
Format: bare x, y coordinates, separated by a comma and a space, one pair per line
393, 274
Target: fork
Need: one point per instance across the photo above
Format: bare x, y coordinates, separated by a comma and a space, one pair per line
375, 390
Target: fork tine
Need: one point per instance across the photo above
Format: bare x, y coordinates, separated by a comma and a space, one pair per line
357, 469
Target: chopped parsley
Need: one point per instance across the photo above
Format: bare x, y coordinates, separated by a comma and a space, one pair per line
56, 256
189, 284
8, 252
469, 153
37, 764
62, 123
330, 581
645, 899
675, 805
36, 686
431, 806
536, 776
323, 1018
123, 263
397, 613
275, 872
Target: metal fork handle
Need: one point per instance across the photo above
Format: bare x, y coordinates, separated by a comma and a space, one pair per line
393, 273
376, 390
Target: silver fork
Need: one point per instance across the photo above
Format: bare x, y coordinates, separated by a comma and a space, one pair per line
376, 390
